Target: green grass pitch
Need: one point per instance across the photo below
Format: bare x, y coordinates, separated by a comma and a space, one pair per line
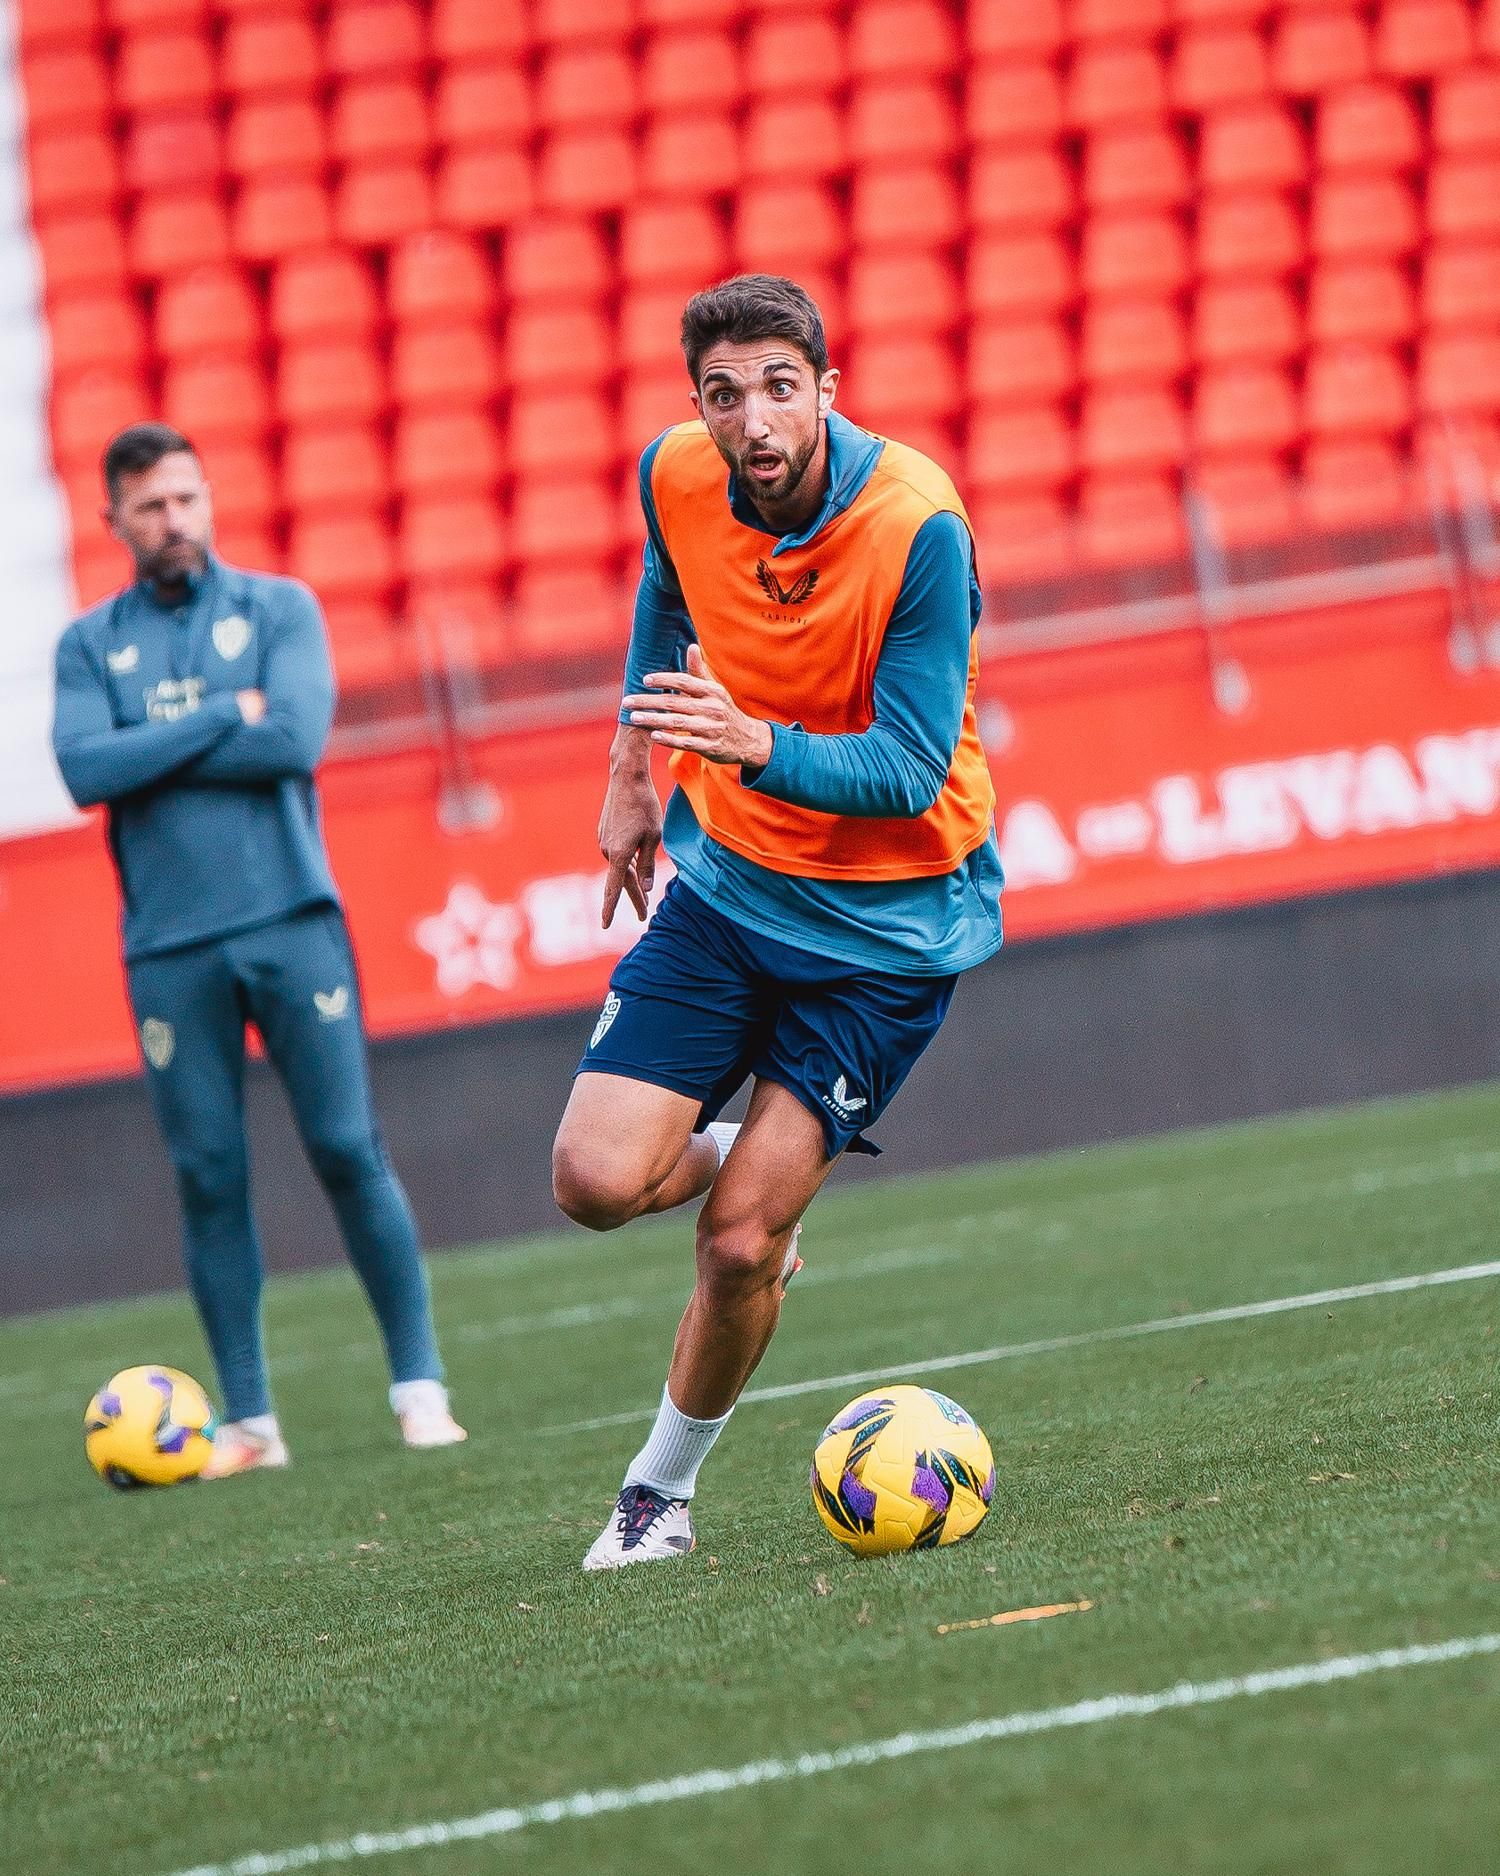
379, 1639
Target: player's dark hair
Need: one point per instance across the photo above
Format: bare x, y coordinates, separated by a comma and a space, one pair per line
750, 307
140, 447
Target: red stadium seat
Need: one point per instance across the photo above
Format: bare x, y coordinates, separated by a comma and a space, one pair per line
73, 170
1114, 84
1352, 485
59, 22
216, 399
328, 294
479, 29
248, 544
445, 366
569, 612
1020, 103
592, 87
329, 381
1130, 521
380, 120
437, 276
343, 555
277, 137
484, 188
336, 469
382, 202
67, 90
81, 251
561, 21
277, 54
785, 225
451, 537
557, 259
911, 202
211, 309
1419, 37
1248, 234
690, 71
1245, 320
556, 345
1460, 372
902, 38
900, 379
1361, 300
1369, 126
456, 450
1244, 410
793, 141
92, 408
171, 233
246, 489
690, 156
1356, 390
1134, 254
1252, 146
1461, 286
1463, 199
561, 433
1217, 66
170, 71
104, 328
564, 520
811, 45
912, 290
1358, 216
1133, 340
1249, 500
368, 654
1020, 189
1118, 19
1140, 168
278, 216
482, 104
652, 400
1022, 538
1030, 448
1010, 274
1025, 362
1466, 111
1315, 50
181, 152
657, 13
896, 121
373, 36
1142, 427
682, 241
1000, 28
586, 171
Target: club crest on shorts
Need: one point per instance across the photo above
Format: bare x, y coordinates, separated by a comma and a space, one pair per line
158, 1041
606, 1016
231, 636
331, 1004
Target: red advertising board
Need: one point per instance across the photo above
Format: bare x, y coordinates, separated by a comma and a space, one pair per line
1364, 751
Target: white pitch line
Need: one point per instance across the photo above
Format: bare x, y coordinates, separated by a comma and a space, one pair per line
711, 1782
1049, 1345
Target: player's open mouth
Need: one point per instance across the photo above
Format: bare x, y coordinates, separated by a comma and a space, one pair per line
766, 467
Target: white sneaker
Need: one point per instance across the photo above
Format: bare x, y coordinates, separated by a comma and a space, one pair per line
242, 1446
421, 1408
643, 1527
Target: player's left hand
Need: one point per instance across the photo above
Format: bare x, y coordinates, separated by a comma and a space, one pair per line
692, 710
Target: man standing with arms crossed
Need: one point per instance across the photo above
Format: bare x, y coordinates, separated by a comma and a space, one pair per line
804, 644
195, 705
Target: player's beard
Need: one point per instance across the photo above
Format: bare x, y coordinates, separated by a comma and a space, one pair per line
174, 563
787, 483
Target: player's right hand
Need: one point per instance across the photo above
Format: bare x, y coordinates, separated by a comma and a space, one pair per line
629, 835
252, 705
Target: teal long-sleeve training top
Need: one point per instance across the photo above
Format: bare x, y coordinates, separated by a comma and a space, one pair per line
897, 767
213, 822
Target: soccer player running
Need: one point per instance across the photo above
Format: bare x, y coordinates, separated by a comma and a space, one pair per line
195, 704
804, 643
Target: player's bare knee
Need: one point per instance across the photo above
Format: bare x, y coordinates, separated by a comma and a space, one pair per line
737, 1255
591, 1189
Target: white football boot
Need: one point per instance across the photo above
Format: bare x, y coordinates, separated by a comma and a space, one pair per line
644, 1527
246, 1446
421, 1407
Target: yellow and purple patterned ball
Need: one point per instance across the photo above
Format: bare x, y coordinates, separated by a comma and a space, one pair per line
149, 1426
902, 1468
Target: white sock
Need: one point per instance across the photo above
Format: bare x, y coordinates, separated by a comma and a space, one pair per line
428, 1397
677, 1446
723, 1133
263, 1426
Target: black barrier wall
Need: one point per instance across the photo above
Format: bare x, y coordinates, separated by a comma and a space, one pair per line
1062, 1043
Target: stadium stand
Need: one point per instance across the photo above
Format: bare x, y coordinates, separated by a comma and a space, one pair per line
411, 269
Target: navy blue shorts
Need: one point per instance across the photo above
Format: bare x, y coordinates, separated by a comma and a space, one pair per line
701, 1004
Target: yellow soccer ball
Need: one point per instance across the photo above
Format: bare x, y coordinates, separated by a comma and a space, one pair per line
902, 1468
149, 1426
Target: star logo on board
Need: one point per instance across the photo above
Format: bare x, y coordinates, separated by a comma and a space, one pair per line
472, 941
